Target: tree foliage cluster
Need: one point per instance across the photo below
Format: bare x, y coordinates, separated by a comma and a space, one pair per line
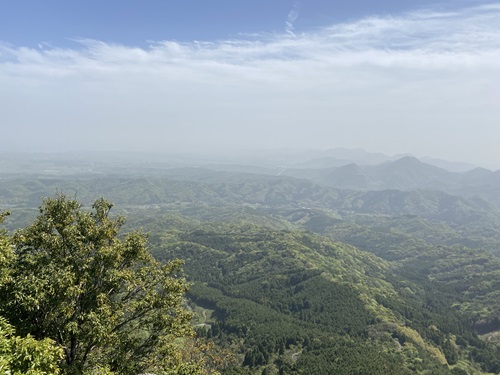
78, 298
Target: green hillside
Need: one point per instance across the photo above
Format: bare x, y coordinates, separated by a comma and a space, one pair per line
291, 277
277, 292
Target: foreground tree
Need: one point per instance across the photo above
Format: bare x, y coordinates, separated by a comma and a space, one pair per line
22, 355
105, 300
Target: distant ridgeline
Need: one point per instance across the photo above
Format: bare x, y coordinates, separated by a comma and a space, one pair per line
370, 269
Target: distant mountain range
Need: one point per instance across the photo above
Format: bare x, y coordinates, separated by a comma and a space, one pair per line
345, 169
270, 160
407, 173
338, 157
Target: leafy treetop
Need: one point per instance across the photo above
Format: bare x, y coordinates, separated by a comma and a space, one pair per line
102, 298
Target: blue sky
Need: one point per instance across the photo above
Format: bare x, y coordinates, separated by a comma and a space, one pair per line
393, 76
29, 22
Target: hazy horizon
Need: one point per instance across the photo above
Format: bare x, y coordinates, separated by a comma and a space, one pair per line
288, 156
391, 78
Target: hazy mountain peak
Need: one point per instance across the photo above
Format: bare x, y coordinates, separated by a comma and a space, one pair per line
351, 167
408, 160
479, 171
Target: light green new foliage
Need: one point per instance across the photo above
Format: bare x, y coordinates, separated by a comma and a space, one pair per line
25, 355
22, 355
101, 297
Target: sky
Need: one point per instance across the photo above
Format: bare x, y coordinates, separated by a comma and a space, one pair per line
406, 76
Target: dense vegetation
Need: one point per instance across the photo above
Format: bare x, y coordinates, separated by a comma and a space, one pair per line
291, 292
287, 276
101, 304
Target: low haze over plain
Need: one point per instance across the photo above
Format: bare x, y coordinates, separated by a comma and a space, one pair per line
159, 76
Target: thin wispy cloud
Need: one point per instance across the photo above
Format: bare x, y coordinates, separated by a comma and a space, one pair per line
407, 83
473, 32
292, 17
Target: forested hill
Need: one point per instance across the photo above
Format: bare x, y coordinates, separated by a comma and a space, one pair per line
300, 303
237, 188
344, 169
473, 222
291, 276
406, 173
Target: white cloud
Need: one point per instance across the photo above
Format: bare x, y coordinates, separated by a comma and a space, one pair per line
396, 84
